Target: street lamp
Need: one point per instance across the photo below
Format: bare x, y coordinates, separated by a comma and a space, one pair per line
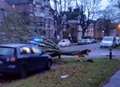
103, 32
118, 25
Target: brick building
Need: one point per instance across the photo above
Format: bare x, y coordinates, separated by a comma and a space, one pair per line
38, 11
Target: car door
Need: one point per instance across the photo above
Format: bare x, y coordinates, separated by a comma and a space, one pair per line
39, 58
26, 58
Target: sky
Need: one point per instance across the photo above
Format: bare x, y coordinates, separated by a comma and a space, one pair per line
103, 4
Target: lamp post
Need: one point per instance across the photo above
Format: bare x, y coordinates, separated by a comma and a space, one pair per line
119, 26
103, 33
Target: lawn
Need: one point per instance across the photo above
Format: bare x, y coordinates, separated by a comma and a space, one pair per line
80, 74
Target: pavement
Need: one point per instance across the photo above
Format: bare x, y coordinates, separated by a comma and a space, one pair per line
114, 81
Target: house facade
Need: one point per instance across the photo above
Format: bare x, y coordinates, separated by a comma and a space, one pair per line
44, 21
73, 30
103, 28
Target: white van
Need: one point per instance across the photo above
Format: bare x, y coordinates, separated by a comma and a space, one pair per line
108, 41
117, 40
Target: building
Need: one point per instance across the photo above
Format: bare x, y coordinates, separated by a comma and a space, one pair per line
3, 9
72, 28
38, 11
90, 32
44, 21
103, 28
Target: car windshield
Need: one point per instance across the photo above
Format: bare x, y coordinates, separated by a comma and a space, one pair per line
6, 51
108, 39
64, 40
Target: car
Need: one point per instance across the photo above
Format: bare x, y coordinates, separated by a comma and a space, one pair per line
86, 41
82, 42
108, 41
117, 39
22, 58
93, 41
64, 43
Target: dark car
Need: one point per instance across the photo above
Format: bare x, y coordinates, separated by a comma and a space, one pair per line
22, 58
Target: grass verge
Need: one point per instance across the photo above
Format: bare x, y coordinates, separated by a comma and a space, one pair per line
80, 74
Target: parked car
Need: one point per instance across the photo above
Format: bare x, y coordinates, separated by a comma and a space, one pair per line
64, 43
86, 41
117, 40
108, 41
22, 58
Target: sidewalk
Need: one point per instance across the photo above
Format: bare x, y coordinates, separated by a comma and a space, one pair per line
114, 81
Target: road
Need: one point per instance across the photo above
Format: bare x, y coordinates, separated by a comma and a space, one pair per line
96, 51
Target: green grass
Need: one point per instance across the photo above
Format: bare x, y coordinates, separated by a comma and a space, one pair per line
81, 74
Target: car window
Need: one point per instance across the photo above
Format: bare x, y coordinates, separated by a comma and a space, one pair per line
36, 50
108, 39
4, 51
25, 50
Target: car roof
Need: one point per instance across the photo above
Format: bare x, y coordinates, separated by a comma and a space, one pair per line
108, 36
15, 45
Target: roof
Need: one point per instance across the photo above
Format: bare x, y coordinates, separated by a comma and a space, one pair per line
15, 45
18, 2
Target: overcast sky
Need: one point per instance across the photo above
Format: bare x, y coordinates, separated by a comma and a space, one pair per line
103, 4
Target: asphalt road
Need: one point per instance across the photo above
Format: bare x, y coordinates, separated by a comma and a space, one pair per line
96, 51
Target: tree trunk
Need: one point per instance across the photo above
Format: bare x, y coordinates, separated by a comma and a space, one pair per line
83, 32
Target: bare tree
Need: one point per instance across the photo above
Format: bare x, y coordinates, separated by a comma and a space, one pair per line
85, 8
87, 11
112, 12
117, 5
59, 6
